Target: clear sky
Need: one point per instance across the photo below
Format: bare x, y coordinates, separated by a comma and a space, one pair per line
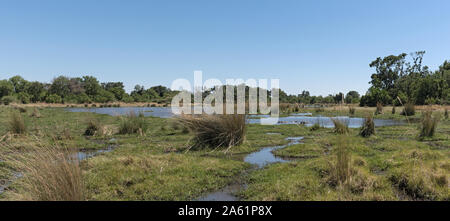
321, 46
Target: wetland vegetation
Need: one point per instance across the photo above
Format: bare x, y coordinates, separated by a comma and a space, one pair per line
157, 163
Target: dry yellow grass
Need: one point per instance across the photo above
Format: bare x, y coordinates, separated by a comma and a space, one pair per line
47, 173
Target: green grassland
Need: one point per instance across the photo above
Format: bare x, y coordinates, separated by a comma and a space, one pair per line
158, 164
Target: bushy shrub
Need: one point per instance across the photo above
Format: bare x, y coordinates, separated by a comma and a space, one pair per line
53, 99
6, 100
24, 98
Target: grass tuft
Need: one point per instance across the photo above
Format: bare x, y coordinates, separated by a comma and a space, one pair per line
351, 110
379, 109
429, 124
216, 130
340, 170
132, 124
17, 124
340, 127
368, 127
409, 109
48, 173
35, 113
94, 128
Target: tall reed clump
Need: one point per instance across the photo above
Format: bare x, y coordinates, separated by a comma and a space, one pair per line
49, 173
132, 124
351, 110
17, 124
216, 131
409, 109
368, 127
94, 127
379, 109
340, 126
429, 124
340, 170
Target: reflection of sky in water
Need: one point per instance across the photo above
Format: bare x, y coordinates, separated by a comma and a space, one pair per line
296, 118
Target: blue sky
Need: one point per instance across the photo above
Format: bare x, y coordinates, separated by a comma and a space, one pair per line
321, 46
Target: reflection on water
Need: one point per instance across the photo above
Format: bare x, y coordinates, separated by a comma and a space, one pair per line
163, 112
260, 159
265, 155
353, 122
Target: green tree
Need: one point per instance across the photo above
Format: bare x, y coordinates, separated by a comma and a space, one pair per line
6, 88
37, 91
91, 86
352, 97
18, 83
60, 86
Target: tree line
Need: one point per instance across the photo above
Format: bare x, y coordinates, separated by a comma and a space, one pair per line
404, 79
397, 80
86, 89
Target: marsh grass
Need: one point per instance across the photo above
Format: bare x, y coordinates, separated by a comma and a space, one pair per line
351, 110
409, 109
216, 131
17, 124
48, 173
340, 126
429, 124
379, 109
94, 127
320, 109
368, 127
35, 113
132, 124
340, 169
315, 127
